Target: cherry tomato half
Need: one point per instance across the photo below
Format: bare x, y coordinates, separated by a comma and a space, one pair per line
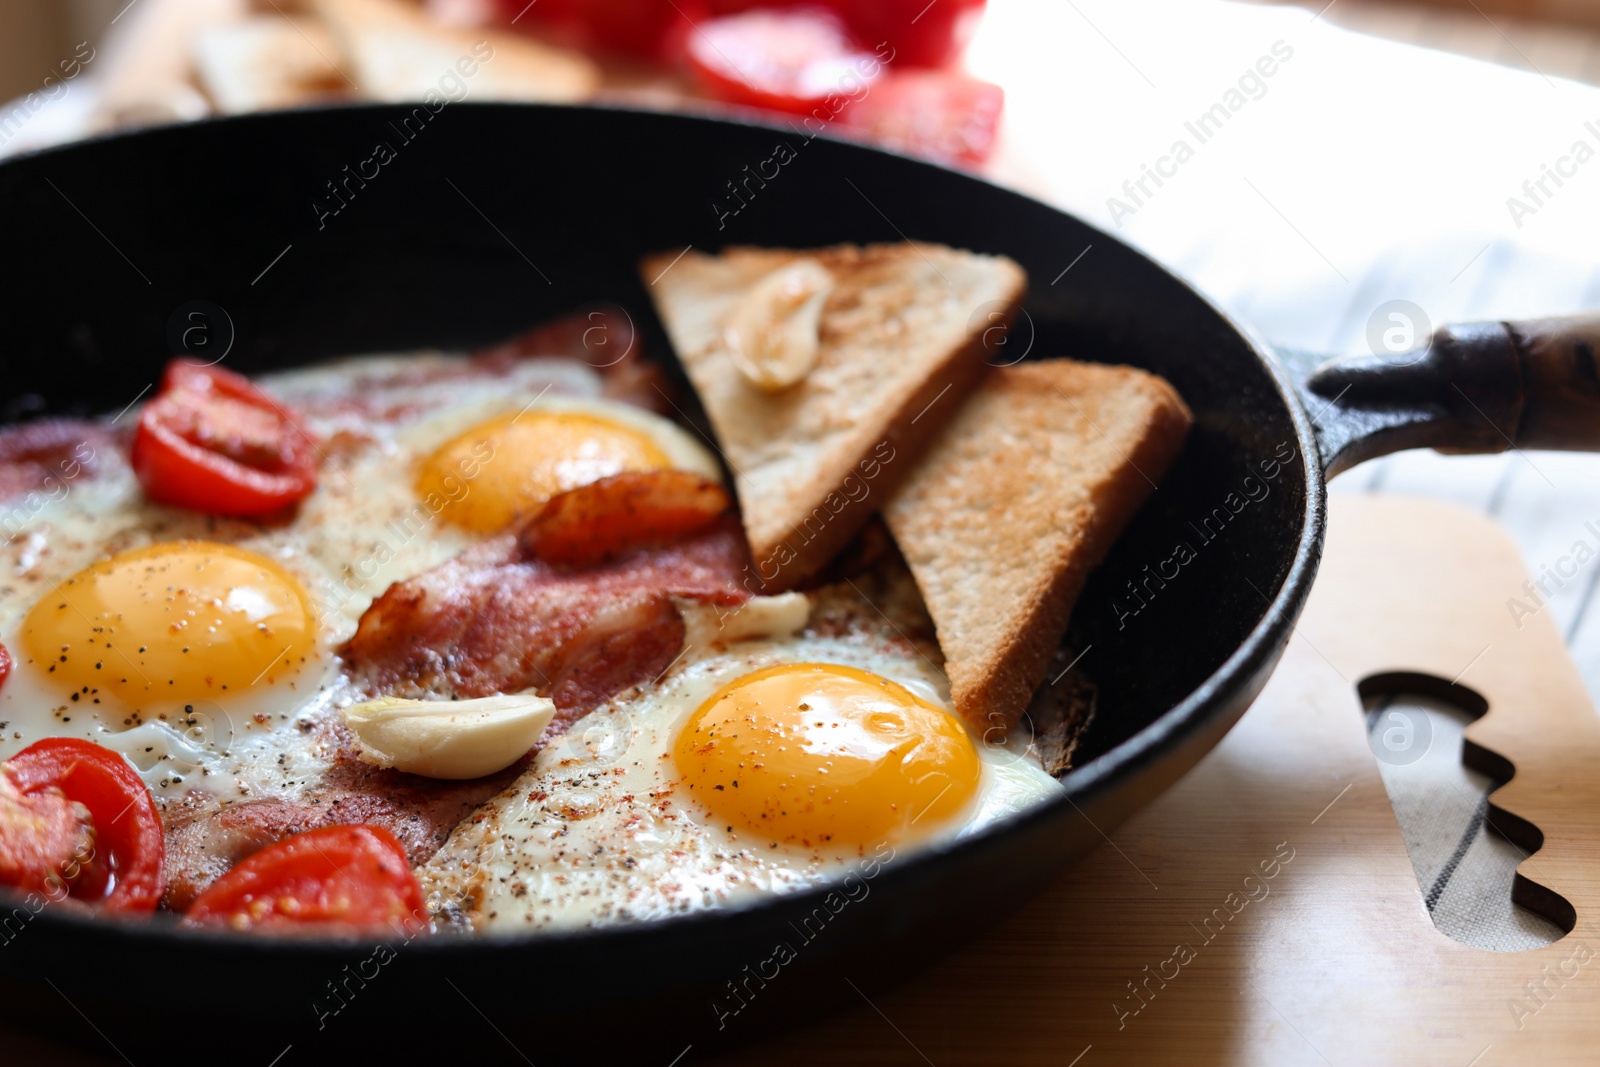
349, 879
44, 839
125, 869
789, 60
213, 442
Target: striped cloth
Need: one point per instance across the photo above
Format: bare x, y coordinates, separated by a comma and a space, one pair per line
1464, 867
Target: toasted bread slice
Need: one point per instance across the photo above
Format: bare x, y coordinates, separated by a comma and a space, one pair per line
1014, 504
269, 61
899, 343
400, 54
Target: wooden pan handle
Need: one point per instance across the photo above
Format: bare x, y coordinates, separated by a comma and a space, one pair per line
1560, 383
1479, 387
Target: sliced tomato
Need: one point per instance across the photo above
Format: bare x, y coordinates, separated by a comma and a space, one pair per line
589, 524
948, 117
213, 442
346, 879
125, 871
5, 664
789, 60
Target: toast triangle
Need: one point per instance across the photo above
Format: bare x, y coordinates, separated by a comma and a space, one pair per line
1021, 496
900, 344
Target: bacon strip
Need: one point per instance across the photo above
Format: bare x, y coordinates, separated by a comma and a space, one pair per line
44, 456
602, 337
492, 620
420, 812
605, 519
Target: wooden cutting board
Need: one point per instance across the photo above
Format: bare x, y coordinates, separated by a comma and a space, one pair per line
1264, 911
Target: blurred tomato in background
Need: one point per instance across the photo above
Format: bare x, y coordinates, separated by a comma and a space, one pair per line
922, 34
885, 70
790, 60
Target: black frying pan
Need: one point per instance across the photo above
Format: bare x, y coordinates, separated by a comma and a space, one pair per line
490, 218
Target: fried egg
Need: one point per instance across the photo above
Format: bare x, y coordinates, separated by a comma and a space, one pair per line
178, 621
164, 652
770, 766
508, 465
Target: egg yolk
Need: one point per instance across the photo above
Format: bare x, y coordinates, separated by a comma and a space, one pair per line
506, 467
178, 621
814, 753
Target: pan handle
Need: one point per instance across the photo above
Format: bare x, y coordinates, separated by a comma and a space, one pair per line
1480, 387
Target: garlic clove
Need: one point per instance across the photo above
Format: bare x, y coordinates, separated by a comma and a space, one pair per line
454, 739
773, 332
708, 625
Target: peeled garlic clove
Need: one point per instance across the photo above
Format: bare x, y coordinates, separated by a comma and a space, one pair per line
455, 739
761, 617
773, 331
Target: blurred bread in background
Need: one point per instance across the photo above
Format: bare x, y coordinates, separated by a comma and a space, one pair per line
266, 62
398, 53
182, 59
